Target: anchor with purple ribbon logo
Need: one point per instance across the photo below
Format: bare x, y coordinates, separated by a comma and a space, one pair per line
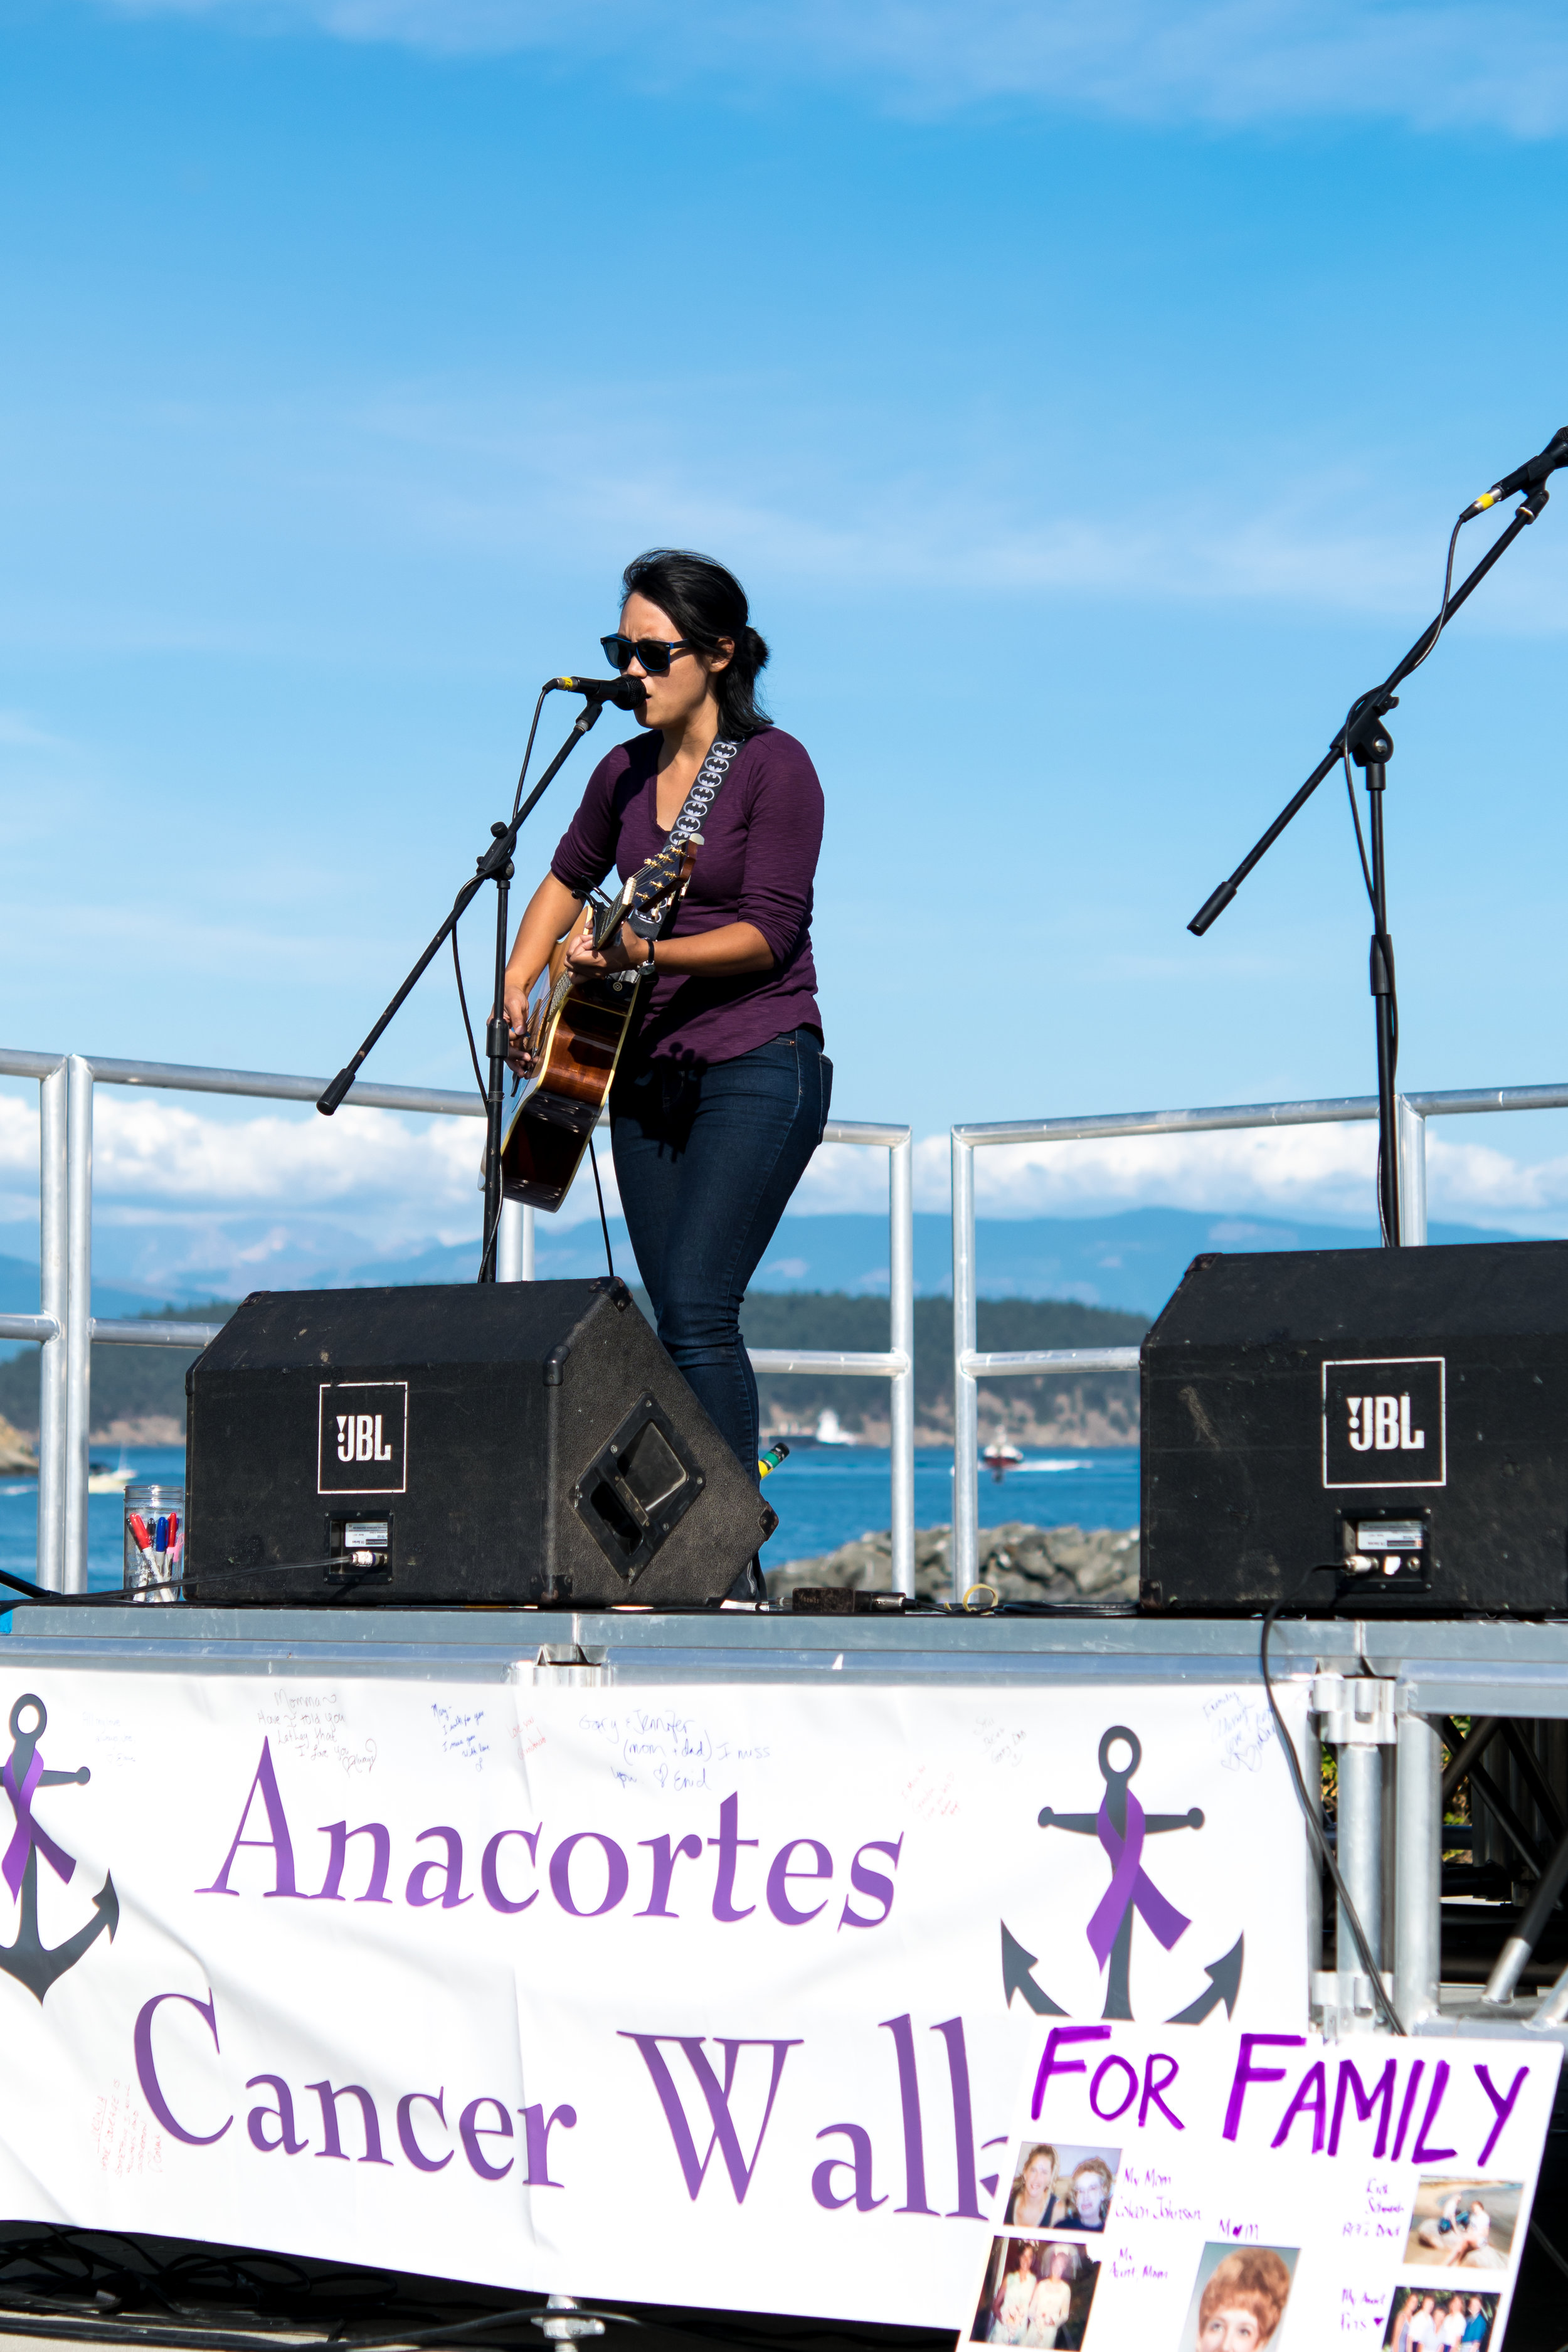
1121, 1825
28, 1960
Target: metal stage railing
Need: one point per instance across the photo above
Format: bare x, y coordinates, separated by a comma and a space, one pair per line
66, 1327
970, 1366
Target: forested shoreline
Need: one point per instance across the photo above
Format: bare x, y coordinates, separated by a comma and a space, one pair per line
139, 1393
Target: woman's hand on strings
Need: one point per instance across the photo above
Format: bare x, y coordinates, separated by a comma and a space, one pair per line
583, 956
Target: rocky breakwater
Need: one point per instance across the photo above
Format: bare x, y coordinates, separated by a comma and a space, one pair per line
1019, 1561
15, 1454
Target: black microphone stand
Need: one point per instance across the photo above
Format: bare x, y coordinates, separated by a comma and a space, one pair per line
495, 867
1367, 742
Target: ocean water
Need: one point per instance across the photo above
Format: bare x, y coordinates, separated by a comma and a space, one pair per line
829, 1495
824, 1497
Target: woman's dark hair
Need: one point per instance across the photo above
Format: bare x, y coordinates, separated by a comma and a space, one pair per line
706, 602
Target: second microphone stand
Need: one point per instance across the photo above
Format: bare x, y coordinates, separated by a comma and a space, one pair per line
1366, 740
495, 866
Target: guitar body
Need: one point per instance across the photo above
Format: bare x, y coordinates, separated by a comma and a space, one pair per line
578, 1024
577, 1030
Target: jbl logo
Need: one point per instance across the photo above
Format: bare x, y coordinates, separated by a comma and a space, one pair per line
1383, 1423
360, 1438
363, 1438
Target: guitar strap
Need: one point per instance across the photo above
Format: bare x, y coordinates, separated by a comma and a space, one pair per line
688, 823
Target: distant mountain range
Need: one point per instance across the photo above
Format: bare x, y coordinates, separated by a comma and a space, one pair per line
19, 1292
1132, 1260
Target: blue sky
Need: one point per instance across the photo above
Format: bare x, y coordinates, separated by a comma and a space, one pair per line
1084, 393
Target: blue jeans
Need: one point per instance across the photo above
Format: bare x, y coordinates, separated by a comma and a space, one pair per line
706, 1161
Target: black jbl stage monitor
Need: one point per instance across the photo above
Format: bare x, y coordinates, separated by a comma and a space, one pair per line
1397, 1418
502, 1442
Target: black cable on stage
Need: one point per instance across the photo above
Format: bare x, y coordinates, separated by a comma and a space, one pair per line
1315, 1829
491, 1238
516, 804
528, 749
1350, 717
604, 1223
468, 1024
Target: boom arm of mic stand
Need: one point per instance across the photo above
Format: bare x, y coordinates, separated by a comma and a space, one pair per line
1370, 706
497, 855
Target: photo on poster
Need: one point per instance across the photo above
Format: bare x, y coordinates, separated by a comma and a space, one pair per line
1464, 2224
1037, 2293
1238, 2298
1059, 2186
1435, 2319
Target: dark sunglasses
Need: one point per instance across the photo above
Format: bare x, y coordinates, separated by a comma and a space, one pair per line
654, 653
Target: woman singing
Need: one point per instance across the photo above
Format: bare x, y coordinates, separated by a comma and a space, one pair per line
721, 1097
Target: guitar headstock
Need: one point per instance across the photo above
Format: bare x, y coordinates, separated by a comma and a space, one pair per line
657, 886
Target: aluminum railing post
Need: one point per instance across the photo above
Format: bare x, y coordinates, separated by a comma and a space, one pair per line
901, 1341
1361, 1864
1310, 1756
527, 1273
52, 1355
1411, 1135
78, 1316
965, 1394
508, 1242
1417, 1868
1357, 1720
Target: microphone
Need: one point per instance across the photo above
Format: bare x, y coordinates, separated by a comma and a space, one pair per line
1528, 477
625, 693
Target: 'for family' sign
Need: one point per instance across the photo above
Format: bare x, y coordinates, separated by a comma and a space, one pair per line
1251, 2191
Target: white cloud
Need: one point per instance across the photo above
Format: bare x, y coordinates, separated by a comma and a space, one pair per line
251, 1190
1229, 62
839, 499
149, 1148
1297, 1171
19, 732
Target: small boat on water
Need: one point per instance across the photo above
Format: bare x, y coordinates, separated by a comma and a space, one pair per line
104, 1479
1000, 1457
828, 1431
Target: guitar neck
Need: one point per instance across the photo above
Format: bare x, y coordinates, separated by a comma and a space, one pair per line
607, 920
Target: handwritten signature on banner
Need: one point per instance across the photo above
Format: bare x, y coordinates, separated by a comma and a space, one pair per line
462, 1731
1242, 1729
124, 2134
312, 1726
659, 1749
1001, 1743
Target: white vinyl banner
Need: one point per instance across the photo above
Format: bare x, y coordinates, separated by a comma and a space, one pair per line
707, 1995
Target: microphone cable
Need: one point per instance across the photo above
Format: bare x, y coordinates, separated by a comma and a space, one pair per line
457, 960
490, 1238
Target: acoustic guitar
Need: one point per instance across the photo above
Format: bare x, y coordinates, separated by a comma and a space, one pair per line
578, 1024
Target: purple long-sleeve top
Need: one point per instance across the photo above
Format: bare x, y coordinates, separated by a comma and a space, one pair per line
760, 840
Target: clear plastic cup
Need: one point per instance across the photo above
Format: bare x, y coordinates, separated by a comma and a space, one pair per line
151, 1511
